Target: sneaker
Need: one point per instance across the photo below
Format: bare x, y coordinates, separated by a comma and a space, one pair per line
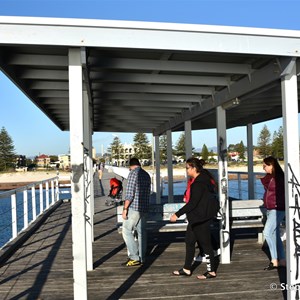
132, 263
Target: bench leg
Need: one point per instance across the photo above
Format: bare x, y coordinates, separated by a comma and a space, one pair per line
260, 238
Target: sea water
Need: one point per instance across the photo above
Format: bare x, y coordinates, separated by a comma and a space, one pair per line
6, 213
233, 187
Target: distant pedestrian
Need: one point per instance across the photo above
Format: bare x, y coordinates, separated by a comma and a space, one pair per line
100, 170
274, 201
136, 206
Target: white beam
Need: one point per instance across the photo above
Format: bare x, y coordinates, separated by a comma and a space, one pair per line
188, 138
292, 178
148, 35
223, 186
250, 161
88, 180
170, 167
77, 186
157, 170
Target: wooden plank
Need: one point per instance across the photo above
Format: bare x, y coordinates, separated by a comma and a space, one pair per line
42, 267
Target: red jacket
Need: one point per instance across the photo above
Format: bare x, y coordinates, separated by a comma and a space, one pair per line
274, 192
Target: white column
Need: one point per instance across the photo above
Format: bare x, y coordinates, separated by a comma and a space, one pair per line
292, 178
77, 180
250, 161
170, 166
188, 138
223, 186
88, 181
157, 170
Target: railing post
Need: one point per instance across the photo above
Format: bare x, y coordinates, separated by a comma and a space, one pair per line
52, 192
41, 198
33, 203
239, 185
47, 194
25, 203
57, 190
14, 215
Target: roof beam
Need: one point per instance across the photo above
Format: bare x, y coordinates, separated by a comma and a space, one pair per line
162, 79
38, 60
154, 88
260, 78
147, 97
168, 65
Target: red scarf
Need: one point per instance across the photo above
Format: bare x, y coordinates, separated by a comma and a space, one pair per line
187, 193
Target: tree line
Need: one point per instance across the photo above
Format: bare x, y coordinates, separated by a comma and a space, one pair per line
266, 145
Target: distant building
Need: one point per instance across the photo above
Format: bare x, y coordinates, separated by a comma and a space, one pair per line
126, 152
42, 161
64, 161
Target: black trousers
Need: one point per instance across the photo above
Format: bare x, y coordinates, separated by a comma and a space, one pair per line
200, 233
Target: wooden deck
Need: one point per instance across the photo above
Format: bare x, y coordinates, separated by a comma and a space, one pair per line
42, 267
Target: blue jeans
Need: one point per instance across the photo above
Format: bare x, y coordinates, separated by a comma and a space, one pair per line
136, 222
272, 233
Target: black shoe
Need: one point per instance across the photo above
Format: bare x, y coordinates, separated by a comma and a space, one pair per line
270, 267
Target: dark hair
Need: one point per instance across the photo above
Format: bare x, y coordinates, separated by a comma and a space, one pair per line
195, 163
134, 162
277, 170
202, 161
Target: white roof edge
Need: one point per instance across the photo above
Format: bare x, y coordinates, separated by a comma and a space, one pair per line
148, 26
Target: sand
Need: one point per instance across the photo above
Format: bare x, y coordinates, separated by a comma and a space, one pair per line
32, 176
41, 175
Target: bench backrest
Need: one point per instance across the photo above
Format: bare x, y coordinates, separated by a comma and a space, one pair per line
246, 208
157, 212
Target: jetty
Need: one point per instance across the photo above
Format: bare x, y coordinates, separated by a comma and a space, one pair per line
42, 267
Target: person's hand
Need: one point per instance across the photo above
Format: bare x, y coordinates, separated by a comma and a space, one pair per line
173, 218
124, 214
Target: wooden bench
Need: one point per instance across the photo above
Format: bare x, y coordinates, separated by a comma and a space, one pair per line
247, 214
243, 214
159, 218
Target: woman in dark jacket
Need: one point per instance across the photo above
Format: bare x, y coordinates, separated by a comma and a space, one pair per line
274, 202
200, 212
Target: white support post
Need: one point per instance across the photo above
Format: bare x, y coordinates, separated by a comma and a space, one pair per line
77, 181
250, 161
25, 205
13, 198
47, 194
157, 170
188, 138
170, 167
292, 178
223, 186
41, 198
33, 203
153, 166
88, 181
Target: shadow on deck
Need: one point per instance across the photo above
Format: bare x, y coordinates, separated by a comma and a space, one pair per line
42, 267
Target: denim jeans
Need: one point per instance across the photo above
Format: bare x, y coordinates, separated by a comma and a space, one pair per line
136, 247
272, 233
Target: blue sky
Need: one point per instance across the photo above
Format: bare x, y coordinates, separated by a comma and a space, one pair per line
33, 133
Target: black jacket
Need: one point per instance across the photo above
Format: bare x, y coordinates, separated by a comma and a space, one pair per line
203, 204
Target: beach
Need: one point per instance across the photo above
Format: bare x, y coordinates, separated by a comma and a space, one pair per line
34, 176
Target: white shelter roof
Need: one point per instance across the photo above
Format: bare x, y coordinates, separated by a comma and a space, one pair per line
150, 77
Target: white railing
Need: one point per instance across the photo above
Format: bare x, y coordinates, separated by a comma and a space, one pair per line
26, 204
